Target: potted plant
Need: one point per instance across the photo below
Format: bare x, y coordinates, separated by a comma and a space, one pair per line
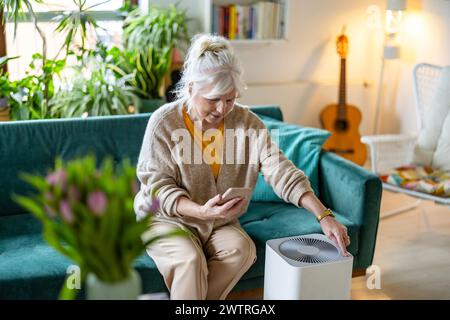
4, 94
147, 55
150, 40
31, 96
6, 87
94, 90
27, 96
87, 215
15, 9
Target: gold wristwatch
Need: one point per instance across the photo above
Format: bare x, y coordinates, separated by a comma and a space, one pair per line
326, 213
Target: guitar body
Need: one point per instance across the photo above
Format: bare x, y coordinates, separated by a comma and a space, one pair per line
345, 139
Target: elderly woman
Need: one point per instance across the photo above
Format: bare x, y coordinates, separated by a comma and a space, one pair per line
208, 263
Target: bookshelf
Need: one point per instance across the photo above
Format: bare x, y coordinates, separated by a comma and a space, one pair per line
247, 21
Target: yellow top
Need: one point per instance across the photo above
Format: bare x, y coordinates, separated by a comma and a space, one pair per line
210, 142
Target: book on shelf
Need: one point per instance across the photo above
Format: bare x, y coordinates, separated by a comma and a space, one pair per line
260, 20
233, 26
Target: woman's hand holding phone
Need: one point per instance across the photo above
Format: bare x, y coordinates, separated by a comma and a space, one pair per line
226, 205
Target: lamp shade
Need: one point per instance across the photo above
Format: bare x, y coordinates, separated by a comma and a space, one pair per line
396, 5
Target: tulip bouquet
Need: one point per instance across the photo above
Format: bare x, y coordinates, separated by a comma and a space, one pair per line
87, 215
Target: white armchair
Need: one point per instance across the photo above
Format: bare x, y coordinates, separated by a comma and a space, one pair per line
390, 151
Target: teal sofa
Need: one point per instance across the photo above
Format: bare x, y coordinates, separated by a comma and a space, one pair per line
30, 269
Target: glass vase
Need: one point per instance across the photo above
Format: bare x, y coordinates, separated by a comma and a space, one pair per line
126, 289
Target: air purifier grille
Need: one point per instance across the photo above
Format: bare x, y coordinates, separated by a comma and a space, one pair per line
309, 250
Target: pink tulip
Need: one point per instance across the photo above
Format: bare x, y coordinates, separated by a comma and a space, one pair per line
66, 212
57, 178
97, 202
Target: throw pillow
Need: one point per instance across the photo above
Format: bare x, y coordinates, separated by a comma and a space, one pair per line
433, 144
441, 157
301, 145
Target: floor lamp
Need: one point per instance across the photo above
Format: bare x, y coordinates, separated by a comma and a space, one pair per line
391, 51
391, 47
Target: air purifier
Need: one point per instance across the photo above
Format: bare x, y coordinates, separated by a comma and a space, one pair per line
308, 267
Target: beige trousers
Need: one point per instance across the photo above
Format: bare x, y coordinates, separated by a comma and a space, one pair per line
193, 270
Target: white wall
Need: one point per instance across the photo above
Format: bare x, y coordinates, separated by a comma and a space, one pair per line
427, 39
301, 74
306, 67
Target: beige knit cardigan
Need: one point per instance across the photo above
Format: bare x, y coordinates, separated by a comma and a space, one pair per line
166, 169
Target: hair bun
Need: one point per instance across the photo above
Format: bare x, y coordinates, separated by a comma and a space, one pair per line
209, 45
210, 60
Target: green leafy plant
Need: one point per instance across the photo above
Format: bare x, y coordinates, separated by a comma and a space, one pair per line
4, 60
30, 97
15, 9
6, 86
26, 96
139, 68
147, 67
149, 41
77, 22
87, 215
127, 7
160, 28
94, 91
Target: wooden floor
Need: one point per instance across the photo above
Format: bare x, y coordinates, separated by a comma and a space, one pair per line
412, 253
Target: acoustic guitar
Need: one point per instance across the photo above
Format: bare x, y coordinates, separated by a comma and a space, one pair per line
343, 119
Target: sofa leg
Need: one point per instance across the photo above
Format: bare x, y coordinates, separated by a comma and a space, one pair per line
358, 273
252, 294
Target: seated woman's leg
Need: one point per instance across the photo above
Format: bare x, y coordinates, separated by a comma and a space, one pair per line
230, 253
181, 262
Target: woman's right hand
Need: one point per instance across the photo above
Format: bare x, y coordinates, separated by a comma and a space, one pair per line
212, 210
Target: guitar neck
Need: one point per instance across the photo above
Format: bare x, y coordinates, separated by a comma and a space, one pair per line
342, 94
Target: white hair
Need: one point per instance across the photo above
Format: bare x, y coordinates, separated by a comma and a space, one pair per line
210, 61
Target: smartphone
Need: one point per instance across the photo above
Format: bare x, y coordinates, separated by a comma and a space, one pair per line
232, 193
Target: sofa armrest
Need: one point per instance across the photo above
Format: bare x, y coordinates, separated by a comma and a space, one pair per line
355, 193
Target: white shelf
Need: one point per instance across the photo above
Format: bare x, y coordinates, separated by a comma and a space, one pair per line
257, 42
207, 21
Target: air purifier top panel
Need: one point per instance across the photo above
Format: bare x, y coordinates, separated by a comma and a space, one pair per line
307, 250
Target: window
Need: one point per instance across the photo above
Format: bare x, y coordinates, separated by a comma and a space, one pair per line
28, 41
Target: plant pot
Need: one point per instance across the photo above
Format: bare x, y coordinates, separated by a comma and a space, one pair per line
4, 109
4, 115
127, 289
148, 105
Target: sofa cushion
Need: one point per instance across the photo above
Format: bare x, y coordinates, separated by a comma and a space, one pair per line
30, 269
433, 143
301, 145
